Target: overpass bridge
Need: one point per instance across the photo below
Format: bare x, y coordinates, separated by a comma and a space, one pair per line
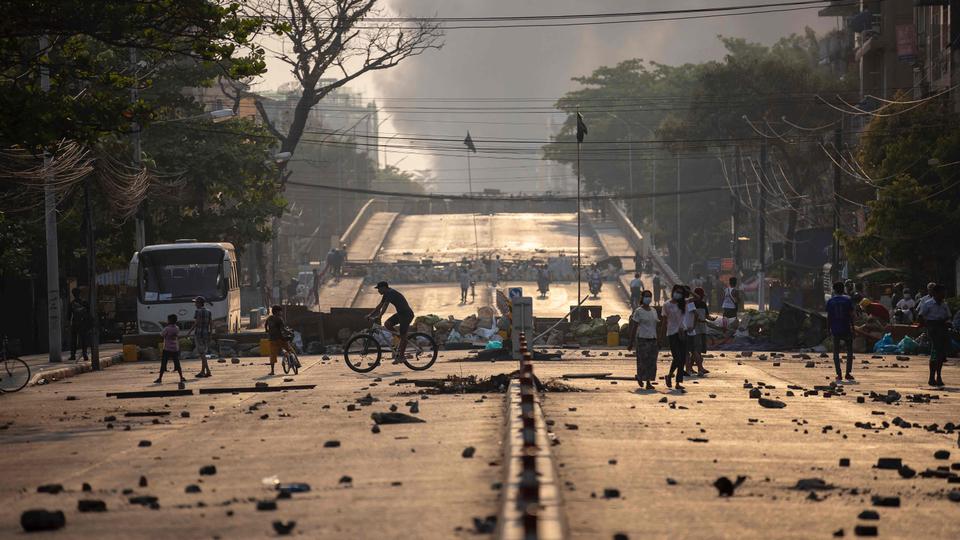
387, 234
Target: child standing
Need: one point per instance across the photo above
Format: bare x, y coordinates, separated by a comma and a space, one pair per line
171, 348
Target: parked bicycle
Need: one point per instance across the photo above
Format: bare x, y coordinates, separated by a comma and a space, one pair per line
365, 350
14, 372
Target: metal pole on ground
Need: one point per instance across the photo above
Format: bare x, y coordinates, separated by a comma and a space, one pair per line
54, 324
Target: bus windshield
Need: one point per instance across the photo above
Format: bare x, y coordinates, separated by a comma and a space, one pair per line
177, 275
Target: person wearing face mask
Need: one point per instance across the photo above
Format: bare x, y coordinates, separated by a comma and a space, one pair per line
905, 306
643, 329
935, 316
676, 334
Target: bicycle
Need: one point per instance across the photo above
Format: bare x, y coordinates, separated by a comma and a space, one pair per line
364, 351
14, 372
289, 360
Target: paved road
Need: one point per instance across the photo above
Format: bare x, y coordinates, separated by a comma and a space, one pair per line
444, 298
450, 237
407, 481
52, 438
367, 243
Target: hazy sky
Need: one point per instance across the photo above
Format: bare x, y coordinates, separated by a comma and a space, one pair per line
533, 63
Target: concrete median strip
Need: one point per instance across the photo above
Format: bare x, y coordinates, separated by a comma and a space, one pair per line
69, 370
523, 503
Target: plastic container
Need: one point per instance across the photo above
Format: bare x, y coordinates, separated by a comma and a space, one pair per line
264, 347
613, 339
131, 352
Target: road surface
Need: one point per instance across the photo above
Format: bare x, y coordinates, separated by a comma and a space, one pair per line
450, 237
661, 451
443, 299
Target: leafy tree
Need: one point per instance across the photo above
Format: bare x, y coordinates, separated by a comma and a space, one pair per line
911, 226
697, 112
88, 57
911, 155
334, 42
391, 178
228, 186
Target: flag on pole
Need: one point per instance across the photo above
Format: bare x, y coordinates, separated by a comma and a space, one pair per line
581, 128
469, 142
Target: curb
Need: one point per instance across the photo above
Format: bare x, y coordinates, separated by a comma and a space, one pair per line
531, 506
65, 372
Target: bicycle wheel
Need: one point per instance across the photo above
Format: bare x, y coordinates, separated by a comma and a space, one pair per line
421, 351
362, 353
294, 362
14, 375
285, 361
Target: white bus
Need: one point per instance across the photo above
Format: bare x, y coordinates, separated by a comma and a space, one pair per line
169, 276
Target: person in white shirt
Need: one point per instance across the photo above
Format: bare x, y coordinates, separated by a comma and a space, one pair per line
636, 288
935, 315
905, 306
676, 334
644, 323
731, 299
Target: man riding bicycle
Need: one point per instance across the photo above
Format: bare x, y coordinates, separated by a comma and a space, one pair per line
403, 317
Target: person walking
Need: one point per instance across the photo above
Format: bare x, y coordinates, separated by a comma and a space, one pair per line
543, 281
840, 317
935, 316
276, 329
79, 318
691, 340
636, 290
731, 299
703, 315
657, 288
464, 279
171, 348
643, 329
673, 312
202, 329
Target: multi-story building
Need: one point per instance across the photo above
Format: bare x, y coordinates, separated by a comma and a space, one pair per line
906, 47
339, 147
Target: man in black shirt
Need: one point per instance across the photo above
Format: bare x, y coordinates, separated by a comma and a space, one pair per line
403, 317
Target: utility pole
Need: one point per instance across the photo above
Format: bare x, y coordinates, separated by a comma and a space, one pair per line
54, 324
140, 234
762, 230
735, 210
653, 203
92, 278
677, 258
835, 248
631, 203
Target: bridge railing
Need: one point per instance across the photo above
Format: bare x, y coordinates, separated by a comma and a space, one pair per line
641, 242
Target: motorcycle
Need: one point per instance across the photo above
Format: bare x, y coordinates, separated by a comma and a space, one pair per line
595, 285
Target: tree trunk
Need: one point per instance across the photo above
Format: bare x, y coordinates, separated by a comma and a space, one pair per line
300, 115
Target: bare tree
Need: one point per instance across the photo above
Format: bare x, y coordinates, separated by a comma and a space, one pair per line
334, 42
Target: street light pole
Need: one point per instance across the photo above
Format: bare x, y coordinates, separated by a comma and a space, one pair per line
281, 160
54, 325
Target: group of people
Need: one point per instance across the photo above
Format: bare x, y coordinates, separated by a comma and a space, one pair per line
684, 316
201, 330
931, 311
